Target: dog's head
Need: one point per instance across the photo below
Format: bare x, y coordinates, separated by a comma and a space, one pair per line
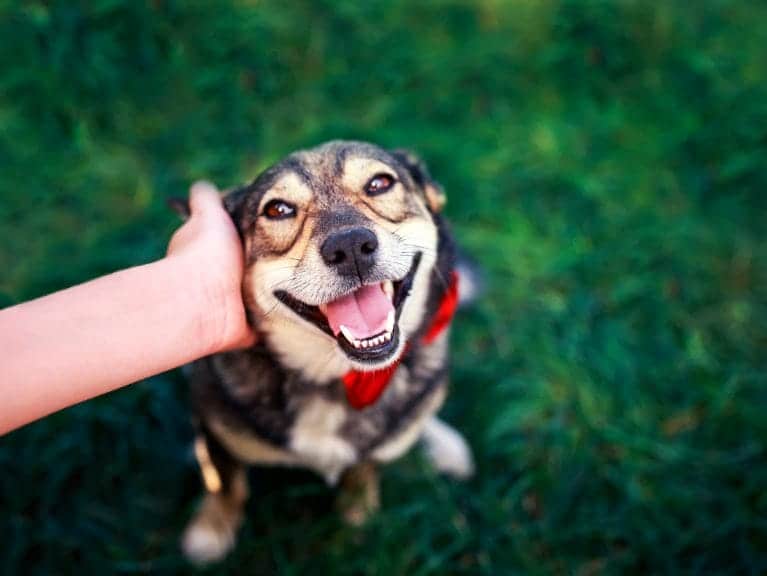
340, 243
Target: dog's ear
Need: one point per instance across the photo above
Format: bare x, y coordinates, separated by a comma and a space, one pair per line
180, 206
234, 203
435, 195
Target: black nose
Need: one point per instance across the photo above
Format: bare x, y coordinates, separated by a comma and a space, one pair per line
351, 252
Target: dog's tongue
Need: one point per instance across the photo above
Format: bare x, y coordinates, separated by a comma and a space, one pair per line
363, 312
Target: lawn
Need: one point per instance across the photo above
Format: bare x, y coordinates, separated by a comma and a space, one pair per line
606, 162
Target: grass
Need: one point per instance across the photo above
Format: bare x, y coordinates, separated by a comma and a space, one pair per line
604, 160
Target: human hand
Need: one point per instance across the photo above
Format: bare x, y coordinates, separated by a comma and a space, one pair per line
208, 250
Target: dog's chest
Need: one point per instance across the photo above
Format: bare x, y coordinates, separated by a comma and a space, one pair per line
295, 422
328, 435
317, 440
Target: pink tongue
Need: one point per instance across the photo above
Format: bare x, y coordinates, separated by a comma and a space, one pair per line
363, 312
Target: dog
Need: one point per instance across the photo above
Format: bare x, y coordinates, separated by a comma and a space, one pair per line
350, 282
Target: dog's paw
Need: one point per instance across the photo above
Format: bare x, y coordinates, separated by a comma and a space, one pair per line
357, 514
359, 497
211, 534
204, 544
447, 450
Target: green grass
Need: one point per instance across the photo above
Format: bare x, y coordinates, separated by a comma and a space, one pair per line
606, 162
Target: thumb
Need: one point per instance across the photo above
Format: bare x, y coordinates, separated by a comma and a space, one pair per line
204, 198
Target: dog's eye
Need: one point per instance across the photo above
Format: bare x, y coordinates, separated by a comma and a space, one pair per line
278, 210
379, 184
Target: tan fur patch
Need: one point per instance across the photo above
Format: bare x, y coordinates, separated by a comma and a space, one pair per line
391, 205
279, 235
435, 197
249, 448
210, 476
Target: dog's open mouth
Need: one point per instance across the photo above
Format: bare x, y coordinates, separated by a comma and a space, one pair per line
364, 322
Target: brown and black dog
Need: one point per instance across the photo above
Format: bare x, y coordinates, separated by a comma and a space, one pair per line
350, 283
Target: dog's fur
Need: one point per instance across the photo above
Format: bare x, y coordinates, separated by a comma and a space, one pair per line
282, 402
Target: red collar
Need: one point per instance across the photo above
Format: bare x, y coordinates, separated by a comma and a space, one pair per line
364, 388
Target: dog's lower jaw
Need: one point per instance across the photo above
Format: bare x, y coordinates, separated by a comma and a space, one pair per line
317, 356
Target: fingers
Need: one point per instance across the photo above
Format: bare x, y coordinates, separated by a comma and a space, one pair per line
204, 198
245, 341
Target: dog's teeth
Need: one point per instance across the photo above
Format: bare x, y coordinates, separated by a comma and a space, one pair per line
347, 334
390, 322
388, 289
364, 343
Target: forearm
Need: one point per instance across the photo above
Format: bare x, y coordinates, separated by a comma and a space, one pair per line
87, 340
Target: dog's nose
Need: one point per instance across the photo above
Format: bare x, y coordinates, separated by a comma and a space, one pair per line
351, 252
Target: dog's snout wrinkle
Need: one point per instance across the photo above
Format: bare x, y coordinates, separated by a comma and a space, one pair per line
351, 252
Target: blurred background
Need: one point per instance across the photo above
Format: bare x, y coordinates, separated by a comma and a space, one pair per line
605, 161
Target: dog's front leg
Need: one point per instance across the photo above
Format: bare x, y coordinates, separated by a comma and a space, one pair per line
446, 449
359, 495
212, 532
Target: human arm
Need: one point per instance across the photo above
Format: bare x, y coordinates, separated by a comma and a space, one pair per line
75, 344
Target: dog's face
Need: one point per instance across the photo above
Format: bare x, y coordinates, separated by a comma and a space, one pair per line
340, 243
